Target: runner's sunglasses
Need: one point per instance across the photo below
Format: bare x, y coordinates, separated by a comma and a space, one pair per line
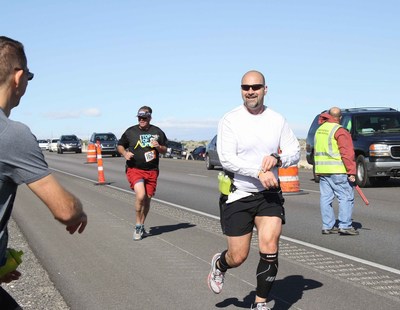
253, 87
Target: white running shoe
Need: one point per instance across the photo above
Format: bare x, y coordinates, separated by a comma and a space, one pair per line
216, 277
260, 306
138, 233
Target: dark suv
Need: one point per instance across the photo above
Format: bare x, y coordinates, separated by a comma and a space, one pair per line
376, 138
69, 143
174, 150
108, 142
211, 157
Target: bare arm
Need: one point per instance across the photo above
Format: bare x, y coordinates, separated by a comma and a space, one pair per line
64, 206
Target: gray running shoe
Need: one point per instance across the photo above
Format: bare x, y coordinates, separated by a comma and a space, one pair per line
216, 277
333, 230
138, 233
260, 306
348, 231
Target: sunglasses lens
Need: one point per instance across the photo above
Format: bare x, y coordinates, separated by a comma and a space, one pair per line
254, 87
257, 86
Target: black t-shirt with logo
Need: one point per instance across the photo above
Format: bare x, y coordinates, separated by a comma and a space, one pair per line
138, 141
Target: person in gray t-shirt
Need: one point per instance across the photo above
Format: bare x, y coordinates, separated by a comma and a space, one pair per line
22, 161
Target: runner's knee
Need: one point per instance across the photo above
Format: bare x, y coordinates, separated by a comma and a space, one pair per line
236, 259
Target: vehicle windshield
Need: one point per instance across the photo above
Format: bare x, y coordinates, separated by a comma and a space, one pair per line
105, 137
370, 124
70, 138
175, 145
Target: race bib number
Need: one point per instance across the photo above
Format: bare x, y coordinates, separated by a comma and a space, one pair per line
149, 156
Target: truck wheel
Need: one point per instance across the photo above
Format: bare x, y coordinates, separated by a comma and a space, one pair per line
208, 165
362, 179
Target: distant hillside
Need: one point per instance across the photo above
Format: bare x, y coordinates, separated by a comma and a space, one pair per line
191, 145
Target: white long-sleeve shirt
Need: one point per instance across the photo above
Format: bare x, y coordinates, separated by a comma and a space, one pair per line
244, 139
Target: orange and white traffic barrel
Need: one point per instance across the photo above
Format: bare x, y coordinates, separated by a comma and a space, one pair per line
91, 154
289, 179
100, 169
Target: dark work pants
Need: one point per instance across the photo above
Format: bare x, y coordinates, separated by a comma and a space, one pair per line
7, 302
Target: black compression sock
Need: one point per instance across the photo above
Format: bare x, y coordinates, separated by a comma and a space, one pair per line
223, 265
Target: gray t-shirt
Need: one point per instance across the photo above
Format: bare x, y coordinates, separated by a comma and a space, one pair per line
21, 161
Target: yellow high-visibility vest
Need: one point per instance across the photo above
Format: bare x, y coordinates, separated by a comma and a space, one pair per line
327, 159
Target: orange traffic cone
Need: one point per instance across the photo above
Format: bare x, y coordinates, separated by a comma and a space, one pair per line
91, 154
100, 170
289, 179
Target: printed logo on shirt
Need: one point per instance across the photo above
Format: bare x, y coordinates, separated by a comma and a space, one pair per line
146, 140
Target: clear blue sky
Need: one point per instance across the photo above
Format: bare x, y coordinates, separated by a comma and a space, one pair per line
97, 62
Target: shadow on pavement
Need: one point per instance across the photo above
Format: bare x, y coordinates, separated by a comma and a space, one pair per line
285, 293
158, 230
245, 303
288, 291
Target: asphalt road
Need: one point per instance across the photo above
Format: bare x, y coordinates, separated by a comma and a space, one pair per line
189, 184
104, 269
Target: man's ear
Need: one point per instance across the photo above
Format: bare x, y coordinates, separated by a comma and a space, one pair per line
18, 75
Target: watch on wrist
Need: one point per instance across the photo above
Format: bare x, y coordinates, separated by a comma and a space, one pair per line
278, 158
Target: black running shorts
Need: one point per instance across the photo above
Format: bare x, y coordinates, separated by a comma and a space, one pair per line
237, 218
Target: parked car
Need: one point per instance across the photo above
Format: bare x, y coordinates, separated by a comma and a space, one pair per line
69, 143
53, 145
376, 137
199, 153
43, 144
108, 142
211, 156
174, 150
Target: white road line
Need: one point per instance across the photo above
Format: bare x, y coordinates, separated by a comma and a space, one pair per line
198, 175
310, 190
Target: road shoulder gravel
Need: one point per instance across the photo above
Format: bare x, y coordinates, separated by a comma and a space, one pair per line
34, 289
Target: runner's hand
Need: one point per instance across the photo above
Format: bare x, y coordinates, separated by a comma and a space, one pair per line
268, 179
268, 163
154, 143
128, 155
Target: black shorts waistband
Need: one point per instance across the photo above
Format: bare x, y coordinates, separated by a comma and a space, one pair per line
267, 191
